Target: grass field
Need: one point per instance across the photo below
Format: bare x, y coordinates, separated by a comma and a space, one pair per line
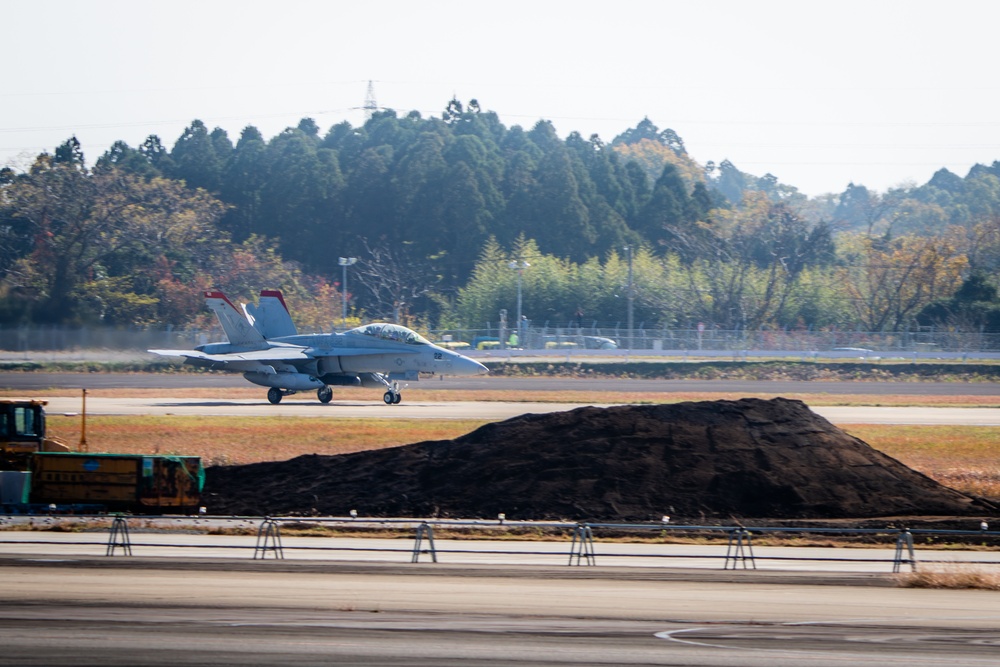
966, 458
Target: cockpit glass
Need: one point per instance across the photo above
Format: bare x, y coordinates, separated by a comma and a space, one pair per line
393, 332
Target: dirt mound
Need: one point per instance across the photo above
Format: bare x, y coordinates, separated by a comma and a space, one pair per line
747, 458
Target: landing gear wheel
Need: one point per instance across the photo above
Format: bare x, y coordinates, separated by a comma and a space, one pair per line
274, 395
324, 394
389, 398
397, 398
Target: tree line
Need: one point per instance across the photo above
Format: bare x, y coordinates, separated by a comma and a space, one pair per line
435, 209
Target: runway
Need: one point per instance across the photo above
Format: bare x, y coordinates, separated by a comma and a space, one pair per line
367, 404
474, 410
145, 612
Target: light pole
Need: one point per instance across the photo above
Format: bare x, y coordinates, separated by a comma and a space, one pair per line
519, 265
629, 315
344, 263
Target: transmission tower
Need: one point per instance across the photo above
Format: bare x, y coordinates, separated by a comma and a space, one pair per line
371, 106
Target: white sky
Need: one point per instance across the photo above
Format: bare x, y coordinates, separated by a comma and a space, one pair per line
817, 92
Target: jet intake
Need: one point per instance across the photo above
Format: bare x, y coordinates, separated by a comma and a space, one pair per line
293, 381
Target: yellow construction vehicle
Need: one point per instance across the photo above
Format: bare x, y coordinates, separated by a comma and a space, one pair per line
22, 433
41, 471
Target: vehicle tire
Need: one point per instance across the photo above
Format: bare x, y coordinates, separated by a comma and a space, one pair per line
397, 399
324, 394
388, 398
274, 395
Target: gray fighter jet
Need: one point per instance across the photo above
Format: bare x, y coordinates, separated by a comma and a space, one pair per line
265, 346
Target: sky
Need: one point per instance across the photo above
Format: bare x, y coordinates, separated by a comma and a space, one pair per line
819, 93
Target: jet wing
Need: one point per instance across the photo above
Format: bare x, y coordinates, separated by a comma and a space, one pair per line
271, 354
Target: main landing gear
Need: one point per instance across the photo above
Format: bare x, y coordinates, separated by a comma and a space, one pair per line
274, 395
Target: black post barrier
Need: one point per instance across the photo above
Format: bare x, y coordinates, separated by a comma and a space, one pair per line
904, 541
268, 539
119, 537
739, 550
424, 530
582, 548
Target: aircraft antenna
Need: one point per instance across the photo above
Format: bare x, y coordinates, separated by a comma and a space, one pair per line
371, 106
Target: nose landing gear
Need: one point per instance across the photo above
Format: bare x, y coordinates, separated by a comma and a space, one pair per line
392, 396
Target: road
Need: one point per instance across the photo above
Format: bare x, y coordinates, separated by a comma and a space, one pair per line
36, 381
135, 611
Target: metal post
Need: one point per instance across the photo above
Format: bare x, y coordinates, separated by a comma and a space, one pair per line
519, 265
582, 548
268, 539
424, 530
739, 552
629, 315
904, 541
83, 446
119, 537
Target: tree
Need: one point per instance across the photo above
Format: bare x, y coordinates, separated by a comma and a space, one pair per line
125, 158
95, 232
300, 199
195, 158
974, 307
69, 152
246, 174
395, 282
888, 282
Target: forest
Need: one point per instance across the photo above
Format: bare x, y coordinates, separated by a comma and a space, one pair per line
449, 217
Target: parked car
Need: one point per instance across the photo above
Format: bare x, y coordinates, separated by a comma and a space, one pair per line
599, 343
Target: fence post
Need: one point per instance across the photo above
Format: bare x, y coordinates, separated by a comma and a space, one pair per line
268, 539
582, 547
424, 530
119, 537
739, 552
904, 540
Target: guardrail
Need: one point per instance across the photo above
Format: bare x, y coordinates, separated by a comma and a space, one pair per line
582, 551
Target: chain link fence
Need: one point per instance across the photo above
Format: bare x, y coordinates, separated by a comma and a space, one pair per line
531, 336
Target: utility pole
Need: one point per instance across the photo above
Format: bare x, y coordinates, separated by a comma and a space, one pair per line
519, 266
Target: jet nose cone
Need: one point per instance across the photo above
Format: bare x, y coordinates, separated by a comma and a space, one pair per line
465, 366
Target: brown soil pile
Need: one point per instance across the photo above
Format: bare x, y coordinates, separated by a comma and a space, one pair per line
747, 458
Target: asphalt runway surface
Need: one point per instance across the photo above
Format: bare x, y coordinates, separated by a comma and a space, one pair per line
134, 611
468, 410
166, 381
367, 403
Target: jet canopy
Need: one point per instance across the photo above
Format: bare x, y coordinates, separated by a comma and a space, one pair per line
393, 332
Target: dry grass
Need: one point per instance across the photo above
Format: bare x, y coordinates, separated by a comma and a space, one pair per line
966, 458
236, 440
957, 576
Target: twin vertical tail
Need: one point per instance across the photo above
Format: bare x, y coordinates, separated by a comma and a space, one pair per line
237, 327
271, 317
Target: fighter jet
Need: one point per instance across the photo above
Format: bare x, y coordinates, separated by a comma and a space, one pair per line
265, 346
